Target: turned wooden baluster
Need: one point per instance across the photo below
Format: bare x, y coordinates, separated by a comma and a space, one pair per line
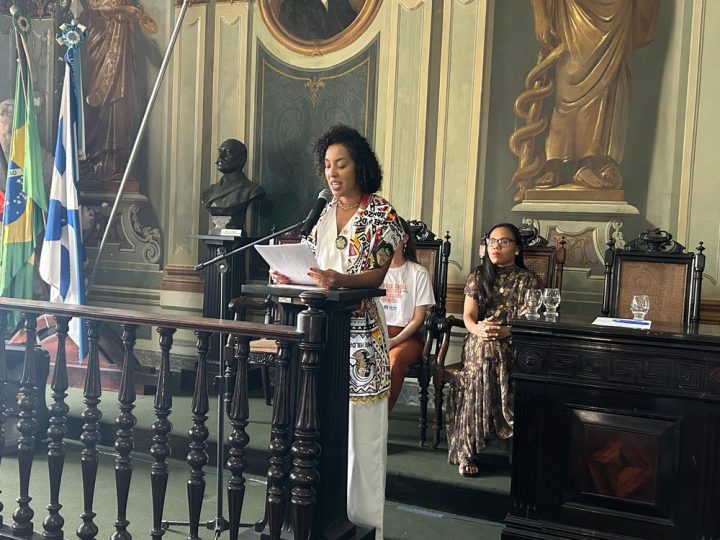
238, 439
3, 398
229, 350
279, 445
90, 436
197, 456
160, 449
58, 412
124, 443
26, 426
306, 449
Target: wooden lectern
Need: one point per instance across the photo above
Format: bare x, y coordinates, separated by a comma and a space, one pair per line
330, 520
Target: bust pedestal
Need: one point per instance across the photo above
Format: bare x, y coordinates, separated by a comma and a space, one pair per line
234, 278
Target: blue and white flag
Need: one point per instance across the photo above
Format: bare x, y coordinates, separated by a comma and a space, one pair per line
62, 256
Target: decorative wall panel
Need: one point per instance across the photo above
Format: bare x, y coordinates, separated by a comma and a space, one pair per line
459, 117
187, 140
698, 197
407, 106
295, 106
230, 75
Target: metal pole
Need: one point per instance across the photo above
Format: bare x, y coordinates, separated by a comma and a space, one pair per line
3, 160
141, 131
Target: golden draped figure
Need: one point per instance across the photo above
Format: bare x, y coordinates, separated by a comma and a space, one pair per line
111, 95
586, 47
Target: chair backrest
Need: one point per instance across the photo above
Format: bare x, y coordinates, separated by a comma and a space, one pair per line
434, 255
287, 238
655, 265
545, 260
272, 311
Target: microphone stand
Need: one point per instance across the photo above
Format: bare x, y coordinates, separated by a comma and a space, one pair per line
219, 524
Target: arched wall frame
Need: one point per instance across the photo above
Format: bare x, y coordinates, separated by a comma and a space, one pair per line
269, 12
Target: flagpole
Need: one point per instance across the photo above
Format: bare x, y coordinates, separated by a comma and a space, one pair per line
3, 159
136, 145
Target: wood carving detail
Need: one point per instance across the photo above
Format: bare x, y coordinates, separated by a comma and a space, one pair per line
530, 360
580, 250
714, 381
627, 369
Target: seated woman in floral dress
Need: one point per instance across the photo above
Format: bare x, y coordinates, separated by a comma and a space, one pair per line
480, 405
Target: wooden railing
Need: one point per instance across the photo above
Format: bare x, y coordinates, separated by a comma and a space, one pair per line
308, 337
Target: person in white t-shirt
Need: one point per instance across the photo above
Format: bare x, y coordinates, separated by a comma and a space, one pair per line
409, 294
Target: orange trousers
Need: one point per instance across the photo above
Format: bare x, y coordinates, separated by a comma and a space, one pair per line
401, 358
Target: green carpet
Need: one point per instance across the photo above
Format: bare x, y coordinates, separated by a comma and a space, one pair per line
401, 521
425, 493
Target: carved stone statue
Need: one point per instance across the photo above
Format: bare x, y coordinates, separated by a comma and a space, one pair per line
112, 101
234, 192
586, 48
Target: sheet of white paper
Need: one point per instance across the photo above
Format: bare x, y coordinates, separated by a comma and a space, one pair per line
292, 260
622, 323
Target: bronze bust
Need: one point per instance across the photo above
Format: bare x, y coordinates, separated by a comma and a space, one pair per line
234, 192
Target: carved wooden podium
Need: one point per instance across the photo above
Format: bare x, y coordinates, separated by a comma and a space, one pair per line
330, 521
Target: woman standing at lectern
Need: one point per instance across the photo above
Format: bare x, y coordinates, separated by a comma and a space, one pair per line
354, 241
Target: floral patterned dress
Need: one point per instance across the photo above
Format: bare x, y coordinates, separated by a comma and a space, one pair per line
480, 405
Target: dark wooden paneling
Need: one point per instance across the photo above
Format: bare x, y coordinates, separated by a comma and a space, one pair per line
616, 432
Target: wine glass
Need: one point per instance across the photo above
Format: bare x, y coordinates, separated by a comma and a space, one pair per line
551, 299
533, 301
639, 306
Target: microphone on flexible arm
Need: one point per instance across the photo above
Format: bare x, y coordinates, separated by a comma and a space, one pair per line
324, 197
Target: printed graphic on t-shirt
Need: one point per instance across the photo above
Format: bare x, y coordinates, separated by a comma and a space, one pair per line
393, 294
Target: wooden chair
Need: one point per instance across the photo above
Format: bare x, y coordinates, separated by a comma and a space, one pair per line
434, 255
655, 265
546, 261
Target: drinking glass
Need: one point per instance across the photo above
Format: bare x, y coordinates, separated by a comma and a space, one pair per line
639, 306
551, 299
533, 301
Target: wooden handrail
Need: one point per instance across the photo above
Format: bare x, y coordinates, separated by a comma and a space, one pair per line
308, 338
126, 316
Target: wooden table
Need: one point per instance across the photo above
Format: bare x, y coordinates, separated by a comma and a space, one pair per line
617, 432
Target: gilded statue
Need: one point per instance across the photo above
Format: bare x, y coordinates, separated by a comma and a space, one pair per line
111, 114
586, 48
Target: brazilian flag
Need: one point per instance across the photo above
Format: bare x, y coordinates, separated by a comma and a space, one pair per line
24, 190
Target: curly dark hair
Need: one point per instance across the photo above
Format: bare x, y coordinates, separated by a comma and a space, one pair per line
367, 167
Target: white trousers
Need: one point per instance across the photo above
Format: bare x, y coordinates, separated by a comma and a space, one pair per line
367, 463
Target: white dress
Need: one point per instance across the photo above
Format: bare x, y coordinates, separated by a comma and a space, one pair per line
367, 422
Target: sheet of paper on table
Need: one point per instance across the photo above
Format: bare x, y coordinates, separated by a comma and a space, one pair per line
292, 260
622, 323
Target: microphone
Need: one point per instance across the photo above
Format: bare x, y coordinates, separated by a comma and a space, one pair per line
324, 197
